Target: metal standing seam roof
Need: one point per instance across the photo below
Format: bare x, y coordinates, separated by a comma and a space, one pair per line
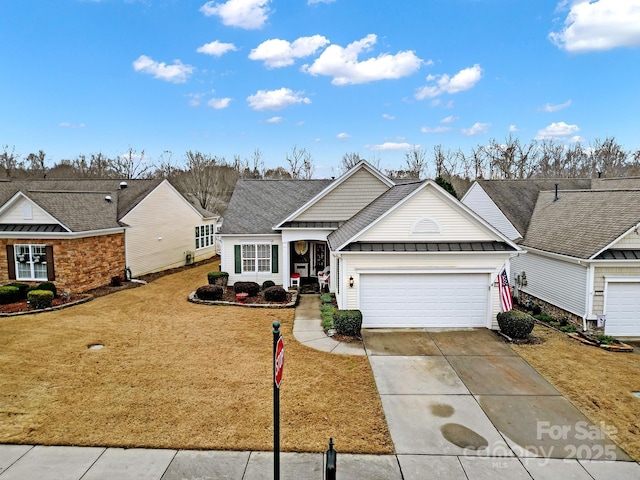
582, 223
428, 247
619, 255
371, 213
256, 206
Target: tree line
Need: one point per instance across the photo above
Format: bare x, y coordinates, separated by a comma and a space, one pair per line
208, 180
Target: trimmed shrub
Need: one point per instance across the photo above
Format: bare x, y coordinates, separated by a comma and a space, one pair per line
326, 315
22, 287
275, 294
326, 298
347, 322
209, 292
48, 286
39, 299
515, 324
9, 294
267, 284
252, 288
218, 278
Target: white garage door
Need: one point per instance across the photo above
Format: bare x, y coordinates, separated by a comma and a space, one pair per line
623, 309
424, 300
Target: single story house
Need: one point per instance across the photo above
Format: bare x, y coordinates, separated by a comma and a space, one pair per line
405, 254
81, 233
582, 245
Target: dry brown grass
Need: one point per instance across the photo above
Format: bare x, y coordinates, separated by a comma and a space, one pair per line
598, 382
180, 375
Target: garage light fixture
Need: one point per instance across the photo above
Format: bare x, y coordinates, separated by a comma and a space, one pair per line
351, 282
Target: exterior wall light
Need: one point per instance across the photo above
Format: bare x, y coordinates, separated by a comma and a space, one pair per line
351, 282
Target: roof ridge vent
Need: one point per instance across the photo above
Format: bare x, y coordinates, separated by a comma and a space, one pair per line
123, 185
107, 198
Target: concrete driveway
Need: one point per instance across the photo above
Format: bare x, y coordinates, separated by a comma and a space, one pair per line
467, 394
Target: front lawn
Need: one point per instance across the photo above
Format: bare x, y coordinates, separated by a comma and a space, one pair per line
598, 382
179, 375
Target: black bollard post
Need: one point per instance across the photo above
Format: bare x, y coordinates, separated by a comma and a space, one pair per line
277, 378
332, 467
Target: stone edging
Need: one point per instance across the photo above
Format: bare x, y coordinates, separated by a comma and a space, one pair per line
294, 300
50, 309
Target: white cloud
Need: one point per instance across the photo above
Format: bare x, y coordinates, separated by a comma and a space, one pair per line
178, 72
313, 2
577, 139
557, 131
343, 135
554, 108
280, 53
71, 125
300, 123
392, 146
599, 25
216, 48
476, 129
449, 119
247, 14
275, 120
461, 81
342, 63
276, 99
195, 99
513, 128
386, 116
219, 103
439, 129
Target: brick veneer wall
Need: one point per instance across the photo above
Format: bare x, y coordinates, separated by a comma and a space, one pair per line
551, 310
80, 264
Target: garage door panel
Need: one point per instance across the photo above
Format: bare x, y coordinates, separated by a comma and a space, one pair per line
623, 309
424, 300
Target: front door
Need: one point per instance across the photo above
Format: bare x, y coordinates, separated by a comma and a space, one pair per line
320, 256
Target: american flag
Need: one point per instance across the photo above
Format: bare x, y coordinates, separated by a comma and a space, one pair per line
506, 303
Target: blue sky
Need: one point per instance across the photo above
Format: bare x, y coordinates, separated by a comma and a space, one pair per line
376, 77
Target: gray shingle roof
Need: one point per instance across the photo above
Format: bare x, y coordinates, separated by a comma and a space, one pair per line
80, 204
258, 205
517, 198
370, 213
582, 223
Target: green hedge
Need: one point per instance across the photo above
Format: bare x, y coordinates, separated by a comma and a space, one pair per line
39, 299
326, 315
515, 324
47, 286
347, 322
9, 294
22, 287
326, 298
218, 278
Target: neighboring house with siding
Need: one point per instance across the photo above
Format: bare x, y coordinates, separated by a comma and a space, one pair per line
81, 233
406, 255
582, 245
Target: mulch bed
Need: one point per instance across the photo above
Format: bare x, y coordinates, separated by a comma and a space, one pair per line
23, 306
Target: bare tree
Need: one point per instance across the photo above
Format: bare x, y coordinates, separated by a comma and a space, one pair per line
511, 159
36, 163
130, 165
9, 161
300, 163
415, 162
278, 173
350, 160
607, 157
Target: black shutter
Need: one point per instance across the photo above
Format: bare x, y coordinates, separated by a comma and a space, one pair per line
11, 262
274, 258
238, 258
51, 271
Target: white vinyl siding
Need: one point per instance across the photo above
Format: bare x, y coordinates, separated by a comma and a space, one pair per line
629, 241
16, 213
161, 232
31, 262
227, 258
455, 225
353, 264
347, 199
478, 201
557, 282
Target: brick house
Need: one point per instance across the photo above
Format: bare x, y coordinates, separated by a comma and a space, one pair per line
80, 234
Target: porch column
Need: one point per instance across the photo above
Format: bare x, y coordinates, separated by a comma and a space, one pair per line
286, 265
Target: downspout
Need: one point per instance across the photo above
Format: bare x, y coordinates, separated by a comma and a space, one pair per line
590, 292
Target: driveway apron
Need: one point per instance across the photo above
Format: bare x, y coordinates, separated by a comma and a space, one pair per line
466, 393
